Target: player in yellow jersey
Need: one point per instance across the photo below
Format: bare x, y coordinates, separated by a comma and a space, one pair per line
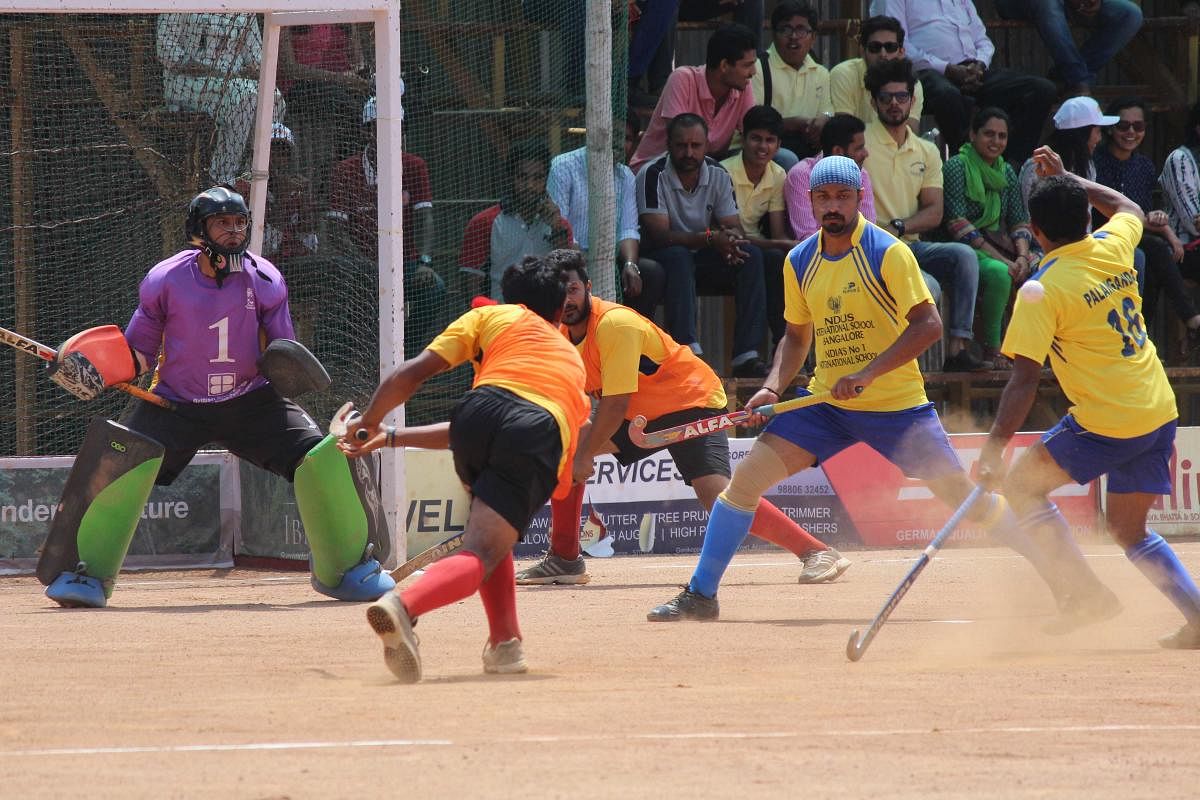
513, 436
854, 293
1123, 415
634, 368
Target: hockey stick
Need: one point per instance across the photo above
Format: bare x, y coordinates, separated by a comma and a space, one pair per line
703, 427
39, 350
859, 644
424, 559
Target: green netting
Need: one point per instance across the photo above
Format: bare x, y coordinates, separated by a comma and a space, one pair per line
111, 123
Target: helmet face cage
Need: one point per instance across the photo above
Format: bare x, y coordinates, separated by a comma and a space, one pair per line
217, 200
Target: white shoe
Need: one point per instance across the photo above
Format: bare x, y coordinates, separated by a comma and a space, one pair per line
506, 658
389, 618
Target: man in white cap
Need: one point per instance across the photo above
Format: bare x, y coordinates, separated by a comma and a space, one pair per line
854, 293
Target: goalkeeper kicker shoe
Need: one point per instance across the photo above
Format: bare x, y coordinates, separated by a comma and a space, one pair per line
77, 590
554, 569
363, 582
686, 605
390, 621
506, 658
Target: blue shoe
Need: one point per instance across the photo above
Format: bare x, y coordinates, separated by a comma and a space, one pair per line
77, 590
362, 583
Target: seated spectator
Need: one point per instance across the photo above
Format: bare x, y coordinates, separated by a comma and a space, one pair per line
758, 187
792, 82
1120, 166
906, 172
525, 223
210, 64
952, 53
843, 135
690, 225
719, 93
882, 39
322, 76
984, 210
642, 280
1113, 23
354, 209
1180, 181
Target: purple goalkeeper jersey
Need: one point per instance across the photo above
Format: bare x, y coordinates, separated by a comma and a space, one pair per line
209, 337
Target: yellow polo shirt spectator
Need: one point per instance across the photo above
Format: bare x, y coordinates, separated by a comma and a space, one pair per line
900, 172
802, 92
754, 201
849, 96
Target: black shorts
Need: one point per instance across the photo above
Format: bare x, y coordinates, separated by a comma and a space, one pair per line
694, 458
506, 449
261, 427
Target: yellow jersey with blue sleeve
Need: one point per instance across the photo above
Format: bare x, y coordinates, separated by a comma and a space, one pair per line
858, 306
1090, 324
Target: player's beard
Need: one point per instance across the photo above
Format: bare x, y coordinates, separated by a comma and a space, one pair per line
833, 224
573, 315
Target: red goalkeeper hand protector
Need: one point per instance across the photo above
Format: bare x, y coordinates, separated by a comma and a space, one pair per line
93, 360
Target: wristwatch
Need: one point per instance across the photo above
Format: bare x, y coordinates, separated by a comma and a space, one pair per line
898, 224
633, 266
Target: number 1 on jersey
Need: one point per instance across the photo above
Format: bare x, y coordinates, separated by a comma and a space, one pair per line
1136, 333
222, 326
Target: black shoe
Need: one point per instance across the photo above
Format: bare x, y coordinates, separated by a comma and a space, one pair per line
1186, 638
1079, 610
963, 361
686, 605
751, 368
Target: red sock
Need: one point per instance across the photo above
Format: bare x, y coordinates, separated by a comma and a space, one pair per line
449, 580
774, 526
499, 596
564, 523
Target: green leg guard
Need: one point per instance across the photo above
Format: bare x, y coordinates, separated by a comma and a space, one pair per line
334, 507
98, 514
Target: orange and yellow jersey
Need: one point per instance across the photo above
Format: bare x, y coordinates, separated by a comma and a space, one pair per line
858, 306
625, 353
1090, 324
513, 348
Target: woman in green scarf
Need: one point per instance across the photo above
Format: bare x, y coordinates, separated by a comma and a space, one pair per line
984, 209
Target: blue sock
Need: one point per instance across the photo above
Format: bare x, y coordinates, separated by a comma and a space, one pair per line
727, 529
1158, 562
1062, 556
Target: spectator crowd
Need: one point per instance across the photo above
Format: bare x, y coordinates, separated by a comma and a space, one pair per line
713, 195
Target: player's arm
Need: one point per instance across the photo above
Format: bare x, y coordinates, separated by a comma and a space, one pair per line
1015, 404
398, 386
924, 328
430, 437
790, 356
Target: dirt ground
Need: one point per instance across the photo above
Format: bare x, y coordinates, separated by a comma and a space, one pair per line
246, 684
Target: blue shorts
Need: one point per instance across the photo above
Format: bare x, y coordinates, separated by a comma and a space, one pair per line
1140, 464
912, 439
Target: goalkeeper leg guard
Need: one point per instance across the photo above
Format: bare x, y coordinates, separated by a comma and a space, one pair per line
338, 526
98, 514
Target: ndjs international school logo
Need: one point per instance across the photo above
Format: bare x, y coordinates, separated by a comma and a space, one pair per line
835, 303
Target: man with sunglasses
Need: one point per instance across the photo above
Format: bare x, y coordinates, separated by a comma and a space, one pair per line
203, 319
907, 175
882, 39
949, 47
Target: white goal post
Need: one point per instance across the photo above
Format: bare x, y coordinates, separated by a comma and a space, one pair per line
385, 16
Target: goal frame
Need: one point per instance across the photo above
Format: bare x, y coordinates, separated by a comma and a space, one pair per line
385, 17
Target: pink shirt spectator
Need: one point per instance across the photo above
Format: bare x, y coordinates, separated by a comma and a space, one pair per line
325, 47
799, 204
687, 92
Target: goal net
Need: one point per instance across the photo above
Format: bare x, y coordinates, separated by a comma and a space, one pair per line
112, 122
